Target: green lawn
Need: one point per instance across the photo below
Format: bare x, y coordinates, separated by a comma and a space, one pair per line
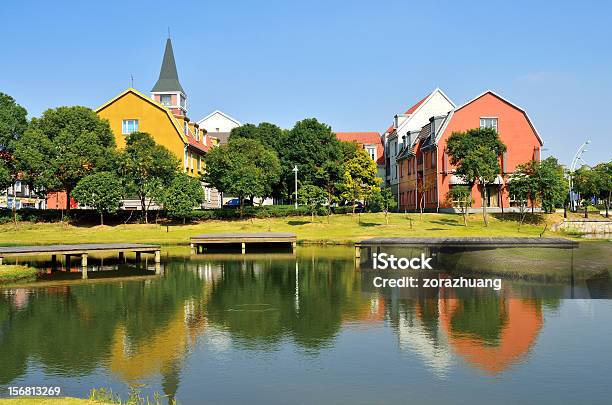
13, 273
340, 229
48, 401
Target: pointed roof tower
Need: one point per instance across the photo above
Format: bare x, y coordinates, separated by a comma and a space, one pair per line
168, 77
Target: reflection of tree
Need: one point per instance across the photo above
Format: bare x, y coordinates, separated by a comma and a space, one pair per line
259, 308
70, 330
480, 318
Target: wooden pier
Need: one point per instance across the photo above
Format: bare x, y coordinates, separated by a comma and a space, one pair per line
82, 250
466, 243
200, 242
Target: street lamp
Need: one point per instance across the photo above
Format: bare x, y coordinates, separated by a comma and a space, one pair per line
577, 157
295, 170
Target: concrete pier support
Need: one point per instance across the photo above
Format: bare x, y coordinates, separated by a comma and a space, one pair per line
192, 247
1, 261
84, 260
243, 247
137, 257
293, 246
158, 256
357, 252
122, 257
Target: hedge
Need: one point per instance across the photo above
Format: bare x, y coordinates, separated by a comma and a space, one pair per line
81, 216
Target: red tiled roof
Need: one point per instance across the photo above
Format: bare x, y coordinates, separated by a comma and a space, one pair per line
365, 138
411, 110
198, 145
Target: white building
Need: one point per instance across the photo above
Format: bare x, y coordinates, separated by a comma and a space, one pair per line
219, 125
434, 104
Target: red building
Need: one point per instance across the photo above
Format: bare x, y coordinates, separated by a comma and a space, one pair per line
424, 165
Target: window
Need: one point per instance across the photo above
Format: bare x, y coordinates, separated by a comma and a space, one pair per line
165, 99
216, 129
183, 102
186, 159
199, 164
197, 133
488, 122
129, 126
371, 151
186, 128
18, 186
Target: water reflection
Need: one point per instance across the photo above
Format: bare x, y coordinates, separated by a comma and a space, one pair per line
146, 329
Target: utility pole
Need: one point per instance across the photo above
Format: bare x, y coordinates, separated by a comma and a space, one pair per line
295, 170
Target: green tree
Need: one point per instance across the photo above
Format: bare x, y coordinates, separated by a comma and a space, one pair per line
146, 169
603, 173
268, 134
313, 198
521, 186
183, 195
310, 144
460, 196
62, 147
13, 122
586, 184
360, 180
244, 168
383, 200
475, 154
551, 185
102, 191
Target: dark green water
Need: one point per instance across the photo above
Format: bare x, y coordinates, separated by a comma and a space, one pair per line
310, 329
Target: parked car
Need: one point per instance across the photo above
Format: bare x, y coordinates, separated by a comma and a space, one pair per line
359, 207
235, 203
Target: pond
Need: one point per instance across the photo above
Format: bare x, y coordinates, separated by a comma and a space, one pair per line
310, 328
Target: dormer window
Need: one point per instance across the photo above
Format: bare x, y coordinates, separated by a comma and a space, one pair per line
186, 128
197, 133
165, 99
488, 122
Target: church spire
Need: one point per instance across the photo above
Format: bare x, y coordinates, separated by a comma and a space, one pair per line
168, 77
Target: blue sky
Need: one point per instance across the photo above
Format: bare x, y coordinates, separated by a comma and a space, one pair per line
351, 64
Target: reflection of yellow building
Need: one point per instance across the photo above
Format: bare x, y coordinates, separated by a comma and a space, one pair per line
134, 361
521, 326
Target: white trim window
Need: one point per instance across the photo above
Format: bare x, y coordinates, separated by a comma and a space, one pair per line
186, 159
186, 128
488, 122
371, 151
197, 133
129, 126
199, 164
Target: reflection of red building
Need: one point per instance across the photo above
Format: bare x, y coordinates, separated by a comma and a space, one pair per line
519, 328
57, 201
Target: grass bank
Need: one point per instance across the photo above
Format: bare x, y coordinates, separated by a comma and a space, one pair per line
48, 401
15, 273
339, 229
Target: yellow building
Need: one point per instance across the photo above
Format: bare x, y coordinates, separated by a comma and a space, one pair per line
163, 115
